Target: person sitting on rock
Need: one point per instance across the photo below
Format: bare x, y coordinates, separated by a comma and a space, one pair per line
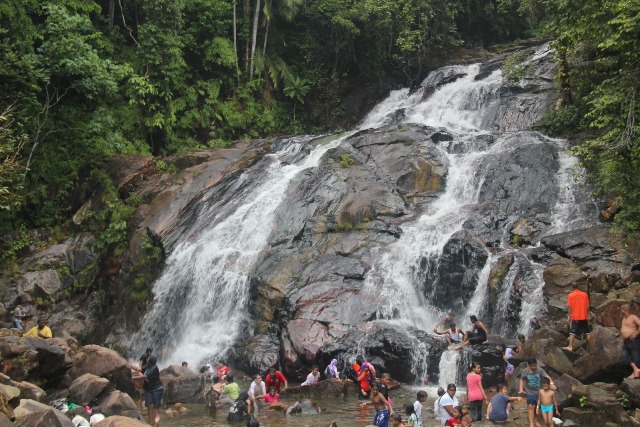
454, 335
275, 378
441, 328
222, 370
18, 316
479, 334
77, 420
499, 406
42, 330
313, 377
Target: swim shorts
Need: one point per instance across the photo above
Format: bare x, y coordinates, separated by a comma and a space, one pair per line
532, 399
153, 397
546, 408
381, 419
579, 327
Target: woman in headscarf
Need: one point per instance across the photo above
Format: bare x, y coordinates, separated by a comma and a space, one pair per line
332, 370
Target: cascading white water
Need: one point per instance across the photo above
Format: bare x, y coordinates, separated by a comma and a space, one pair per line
200, 300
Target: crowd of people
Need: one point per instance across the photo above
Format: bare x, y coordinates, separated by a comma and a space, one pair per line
534, 384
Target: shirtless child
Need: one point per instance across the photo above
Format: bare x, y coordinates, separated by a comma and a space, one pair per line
383, 408
629, 330
547, 403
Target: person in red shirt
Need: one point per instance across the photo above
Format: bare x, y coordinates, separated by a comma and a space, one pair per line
365, 379
275, 379
222, 370
578, 302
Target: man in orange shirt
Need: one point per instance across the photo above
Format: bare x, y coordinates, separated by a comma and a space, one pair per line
578, 303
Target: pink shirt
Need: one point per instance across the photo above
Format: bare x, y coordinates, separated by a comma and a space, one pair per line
473, 387
270, 399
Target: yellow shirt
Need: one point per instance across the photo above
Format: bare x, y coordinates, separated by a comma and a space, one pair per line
33, 332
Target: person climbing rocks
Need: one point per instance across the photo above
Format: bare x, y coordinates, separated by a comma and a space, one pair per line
18, 316
578, 303
629, 330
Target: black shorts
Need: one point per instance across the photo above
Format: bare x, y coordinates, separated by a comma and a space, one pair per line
579, 327
476, 338
631, 351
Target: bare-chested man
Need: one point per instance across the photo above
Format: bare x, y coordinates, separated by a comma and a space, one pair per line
383, 408
629, 330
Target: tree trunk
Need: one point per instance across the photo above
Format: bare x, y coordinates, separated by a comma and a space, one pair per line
112, 13
266, 36
247, 17
235, 31
254, 38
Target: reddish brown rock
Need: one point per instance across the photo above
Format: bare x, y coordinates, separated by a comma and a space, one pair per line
119, 421
106, 363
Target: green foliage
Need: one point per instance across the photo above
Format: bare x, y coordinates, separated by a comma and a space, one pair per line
17, 246
598, 49
346, 160
515, 66
583, 402
12, 141
163, 166
564, 120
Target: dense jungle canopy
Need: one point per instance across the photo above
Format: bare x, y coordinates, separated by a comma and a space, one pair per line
82, 79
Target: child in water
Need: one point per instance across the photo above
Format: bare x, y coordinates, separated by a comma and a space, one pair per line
456, 420
396, 420
547, 404
412, 419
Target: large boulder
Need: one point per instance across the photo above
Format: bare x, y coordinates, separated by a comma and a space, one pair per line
34, 359
603, 401
119, 403
88, 387
27, 390
182, 385
603, 361
106, 363
632, 388
48, 417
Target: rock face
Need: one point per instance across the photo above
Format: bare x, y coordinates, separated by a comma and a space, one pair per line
35, 359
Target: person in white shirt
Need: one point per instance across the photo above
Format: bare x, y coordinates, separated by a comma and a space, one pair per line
436, 404
421, 397
447, 402
77, 420
313, 377
257, 387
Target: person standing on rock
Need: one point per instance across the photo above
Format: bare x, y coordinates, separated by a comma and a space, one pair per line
475, 392
629, 330
479, 334
530, 384
153, 389
42, 330
275, 379
578, 302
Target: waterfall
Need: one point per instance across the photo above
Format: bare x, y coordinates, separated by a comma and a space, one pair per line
200, 300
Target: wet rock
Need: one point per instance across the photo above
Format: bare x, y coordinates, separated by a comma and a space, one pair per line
182, 385
305, 406
490, 360
46, 417
119, 403
103, 362
88, 387
334, 388
120, 421
264, 352
456, 271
